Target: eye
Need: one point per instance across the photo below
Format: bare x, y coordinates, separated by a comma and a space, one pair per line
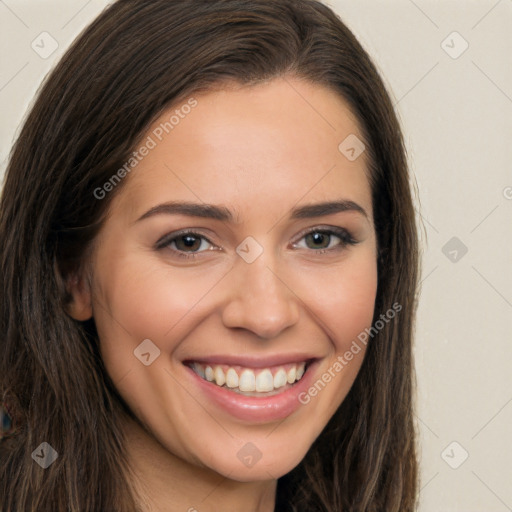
185, 243
326, 239
189, 244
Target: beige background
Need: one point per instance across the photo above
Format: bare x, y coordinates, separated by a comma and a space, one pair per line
456, 110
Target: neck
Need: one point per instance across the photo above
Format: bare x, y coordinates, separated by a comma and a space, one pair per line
167, 483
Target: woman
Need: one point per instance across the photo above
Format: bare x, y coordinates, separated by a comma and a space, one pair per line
209, 265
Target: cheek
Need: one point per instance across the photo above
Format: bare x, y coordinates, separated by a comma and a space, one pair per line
137, 298
343, 299
148, 299
342, 302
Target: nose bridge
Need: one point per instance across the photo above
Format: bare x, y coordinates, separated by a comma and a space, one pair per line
259, 299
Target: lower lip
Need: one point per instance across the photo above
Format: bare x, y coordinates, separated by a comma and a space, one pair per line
255, 409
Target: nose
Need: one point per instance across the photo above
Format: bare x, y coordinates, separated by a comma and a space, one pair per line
260, 300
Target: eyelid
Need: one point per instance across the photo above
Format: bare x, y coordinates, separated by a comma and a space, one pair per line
343, 233
169, 237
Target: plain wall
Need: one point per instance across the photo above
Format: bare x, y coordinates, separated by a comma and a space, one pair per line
456, 111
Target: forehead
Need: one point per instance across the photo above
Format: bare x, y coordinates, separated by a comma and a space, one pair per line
275, 142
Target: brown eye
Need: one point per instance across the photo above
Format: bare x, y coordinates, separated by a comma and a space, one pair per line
318, 240
328, 239
188, 243
185, 244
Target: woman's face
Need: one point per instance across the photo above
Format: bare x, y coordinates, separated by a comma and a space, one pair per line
276, 274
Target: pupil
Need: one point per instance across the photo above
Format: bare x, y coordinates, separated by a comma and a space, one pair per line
190, 241
320, 239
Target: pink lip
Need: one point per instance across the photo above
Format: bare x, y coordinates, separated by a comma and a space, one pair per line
254, 409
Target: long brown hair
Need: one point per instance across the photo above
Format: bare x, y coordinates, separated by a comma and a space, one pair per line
134, 61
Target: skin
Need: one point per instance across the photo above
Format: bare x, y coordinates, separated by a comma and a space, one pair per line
259, 151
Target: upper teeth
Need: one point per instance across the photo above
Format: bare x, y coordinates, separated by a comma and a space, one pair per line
245, 379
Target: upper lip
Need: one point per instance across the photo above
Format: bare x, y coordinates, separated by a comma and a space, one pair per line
252, 361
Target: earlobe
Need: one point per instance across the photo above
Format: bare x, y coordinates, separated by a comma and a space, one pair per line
80, 304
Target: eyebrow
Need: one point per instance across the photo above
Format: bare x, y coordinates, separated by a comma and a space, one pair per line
222, 213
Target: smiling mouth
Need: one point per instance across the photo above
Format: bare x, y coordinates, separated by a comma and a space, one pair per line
260, 382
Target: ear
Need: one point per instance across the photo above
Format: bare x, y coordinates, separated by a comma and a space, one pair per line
80, 304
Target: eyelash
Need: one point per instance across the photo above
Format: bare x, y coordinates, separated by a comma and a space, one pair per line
345, 237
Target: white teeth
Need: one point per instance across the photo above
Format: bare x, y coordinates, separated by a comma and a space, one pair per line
247, 381
220, 379
264, 381
199, 370
292, 375
231, 378
280, 378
